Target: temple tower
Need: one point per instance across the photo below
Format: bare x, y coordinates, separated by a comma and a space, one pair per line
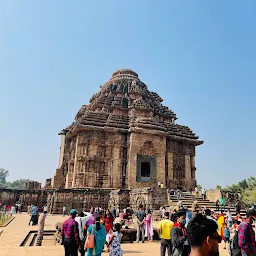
126, 138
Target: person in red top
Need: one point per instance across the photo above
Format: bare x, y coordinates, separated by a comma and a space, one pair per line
124, 218
70, 235
238, 217
109, 221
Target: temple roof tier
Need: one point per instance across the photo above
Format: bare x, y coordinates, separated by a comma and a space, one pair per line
124, 102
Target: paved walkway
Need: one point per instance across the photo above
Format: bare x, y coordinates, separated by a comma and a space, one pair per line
16, 231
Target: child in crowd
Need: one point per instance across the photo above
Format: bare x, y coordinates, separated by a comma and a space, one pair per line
109, 235
226, 234
115, 241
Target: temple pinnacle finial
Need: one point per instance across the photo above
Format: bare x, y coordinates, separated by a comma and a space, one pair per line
125, 72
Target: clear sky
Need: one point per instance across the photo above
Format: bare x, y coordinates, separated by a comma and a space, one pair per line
200, 56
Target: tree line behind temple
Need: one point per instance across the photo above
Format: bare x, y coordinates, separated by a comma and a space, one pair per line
247, 188
17, 184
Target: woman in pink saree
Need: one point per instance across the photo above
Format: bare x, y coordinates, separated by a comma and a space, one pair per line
149, 226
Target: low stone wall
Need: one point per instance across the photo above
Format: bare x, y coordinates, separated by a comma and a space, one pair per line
119, 198
56, 199
150, 198
27, 197
213, 194
81, 200
84, 199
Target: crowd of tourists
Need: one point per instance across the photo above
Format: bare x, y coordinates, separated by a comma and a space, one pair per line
91, 232
185, 234
182, 233
12, 209
105, 228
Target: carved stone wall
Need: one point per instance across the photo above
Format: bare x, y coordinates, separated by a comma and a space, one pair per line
27, 197
181, 164
150, 198
33, 185
81, 200
149, 145
99, 159
56, 199
94, 159
119, 198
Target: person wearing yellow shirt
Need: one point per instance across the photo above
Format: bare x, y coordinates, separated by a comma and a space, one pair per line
164, 231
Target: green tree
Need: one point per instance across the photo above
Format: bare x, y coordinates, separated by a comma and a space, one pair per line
3, 175
199, 187
243, 184
218, 187
252, 182
18, 184
249, 197
234, 188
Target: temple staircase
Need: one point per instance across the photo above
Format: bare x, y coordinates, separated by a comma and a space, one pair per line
188, 199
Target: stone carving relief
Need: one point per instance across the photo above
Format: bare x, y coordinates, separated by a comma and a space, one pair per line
102, 167
140, 200
91, 165
178, 166
148, 149
102, 151
180, 147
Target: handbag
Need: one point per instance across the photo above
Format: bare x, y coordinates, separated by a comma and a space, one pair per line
177, 251
89, 243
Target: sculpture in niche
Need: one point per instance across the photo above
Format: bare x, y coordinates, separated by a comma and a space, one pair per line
102, 167
102, 151
91, 164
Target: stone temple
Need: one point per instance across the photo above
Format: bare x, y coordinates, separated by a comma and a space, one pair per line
125, 138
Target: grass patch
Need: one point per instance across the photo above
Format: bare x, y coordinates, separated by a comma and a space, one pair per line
4, 219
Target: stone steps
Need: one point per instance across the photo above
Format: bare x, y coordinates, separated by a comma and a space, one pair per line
188, 199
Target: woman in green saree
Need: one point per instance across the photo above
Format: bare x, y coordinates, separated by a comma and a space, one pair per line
99, 238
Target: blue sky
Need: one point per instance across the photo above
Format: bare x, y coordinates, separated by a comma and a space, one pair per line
200, 56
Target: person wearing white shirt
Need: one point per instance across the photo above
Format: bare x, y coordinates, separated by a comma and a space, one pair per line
203, 193
82, 220
229, 218
45, 209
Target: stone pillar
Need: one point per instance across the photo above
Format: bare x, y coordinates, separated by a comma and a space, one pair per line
40, 233
188, 181
116, 167
75, 164
193, 171
69, 177
132, 160
62, 147
170, 169
160, 163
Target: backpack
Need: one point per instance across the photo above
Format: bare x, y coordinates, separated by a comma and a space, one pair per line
234, 249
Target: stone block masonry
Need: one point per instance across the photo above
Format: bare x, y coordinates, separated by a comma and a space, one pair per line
82, 199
